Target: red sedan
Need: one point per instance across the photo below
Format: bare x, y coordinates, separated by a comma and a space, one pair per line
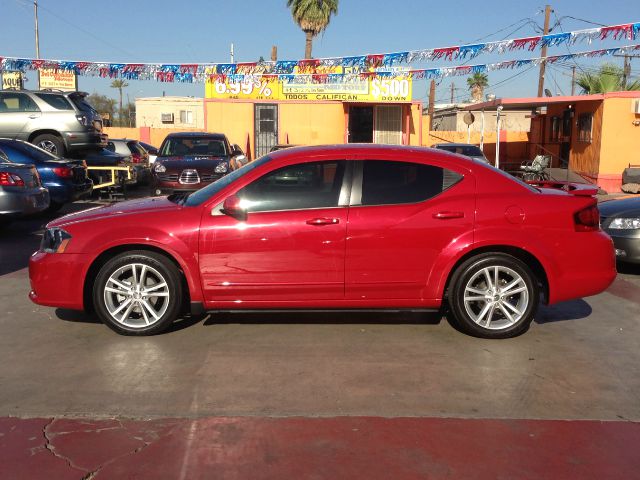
333, 228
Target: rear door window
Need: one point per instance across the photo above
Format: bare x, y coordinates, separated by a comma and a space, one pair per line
59, 102
390, 183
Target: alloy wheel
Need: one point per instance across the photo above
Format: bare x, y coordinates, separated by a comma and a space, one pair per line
49, 146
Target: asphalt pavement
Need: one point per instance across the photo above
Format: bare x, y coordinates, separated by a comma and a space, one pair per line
579, 362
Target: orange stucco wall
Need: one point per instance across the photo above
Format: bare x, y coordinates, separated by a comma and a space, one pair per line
311, 123
620, 137
155, 135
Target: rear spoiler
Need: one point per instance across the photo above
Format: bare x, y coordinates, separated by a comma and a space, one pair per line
578, 189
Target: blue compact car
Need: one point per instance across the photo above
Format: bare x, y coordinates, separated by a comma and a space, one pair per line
66, 180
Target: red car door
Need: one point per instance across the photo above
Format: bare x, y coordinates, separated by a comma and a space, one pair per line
289, 250
403, 216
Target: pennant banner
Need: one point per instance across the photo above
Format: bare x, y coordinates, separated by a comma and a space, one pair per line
190, 72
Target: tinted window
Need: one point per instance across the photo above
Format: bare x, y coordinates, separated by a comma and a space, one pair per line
469, 151
193, 146
301, 186
3, 156
59, 102
135, 147
388, 183
81, 103
17, 102
111, 147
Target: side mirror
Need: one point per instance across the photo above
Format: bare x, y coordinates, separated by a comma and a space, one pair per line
232, 207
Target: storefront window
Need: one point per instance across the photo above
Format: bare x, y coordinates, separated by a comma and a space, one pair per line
585, 127
555, 129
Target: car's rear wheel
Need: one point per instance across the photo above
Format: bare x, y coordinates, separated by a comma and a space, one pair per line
494, 295
138, 293
51, 143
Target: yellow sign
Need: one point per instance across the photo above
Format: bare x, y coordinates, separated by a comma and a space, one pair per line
12, 81
58, 79
388, 89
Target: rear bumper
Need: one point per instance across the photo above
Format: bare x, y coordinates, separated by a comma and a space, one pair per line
588, 269
70, 192
55, 279
84, 140
16, 203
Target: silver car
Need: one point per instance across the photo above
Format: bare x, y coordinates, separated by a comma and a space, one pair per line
58, 122
21, 192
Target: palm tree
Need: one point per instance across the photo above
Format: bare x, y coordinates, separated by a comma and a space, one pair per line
607, 79
120, 85
476, 83
313, 17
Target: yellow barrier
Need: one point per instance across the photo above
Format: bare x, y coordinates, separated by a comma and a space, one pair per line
113, 171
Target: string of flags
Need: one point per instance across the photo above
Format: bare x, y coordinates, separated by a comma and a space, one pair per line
323, 69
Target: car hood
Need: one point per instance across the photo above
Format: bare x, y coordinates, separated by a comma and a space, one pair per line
191, 161
131, 207
626, 207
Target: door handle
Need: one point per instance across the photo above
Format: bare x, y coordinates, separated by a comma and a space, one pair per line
448, 215
33, 116
323, 221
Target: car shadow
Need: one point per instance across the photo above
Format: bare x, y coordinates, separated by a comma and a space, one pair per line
563, 311
19, 239
78, 316
628, 268
325, 317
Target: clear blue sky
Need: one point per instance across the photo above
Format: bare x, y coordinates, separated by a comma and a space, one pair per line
191, 31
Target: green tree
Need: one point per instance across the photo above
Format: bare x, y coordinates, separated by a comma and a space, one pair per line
477, 83
120, 85
313, 17
607, 79
104, 105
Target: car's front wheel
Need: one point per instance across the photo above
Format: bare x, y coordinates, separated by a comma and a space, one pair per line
138, 293
493, 295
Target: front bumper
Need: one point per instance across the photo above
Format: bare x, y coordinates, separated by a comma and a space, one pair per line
17, 203
166, 188
627, 246
55, 280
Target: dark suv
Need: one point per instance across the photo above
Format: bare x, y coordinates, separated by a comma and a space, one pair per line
58, 122
189, 161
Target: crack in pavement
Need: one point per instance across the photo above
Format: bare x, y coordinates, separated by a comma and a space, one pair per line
49, 446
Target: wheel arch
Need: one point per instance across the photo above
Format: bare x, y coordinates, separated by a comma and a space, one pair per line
45, 131
521, 254
106, 255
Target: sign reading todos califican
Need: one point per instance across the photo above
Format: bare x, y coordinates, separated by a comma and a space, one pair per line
58, 79
393, 88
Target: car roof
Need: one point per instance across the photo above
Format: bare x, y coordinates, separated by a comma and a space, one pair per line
218, 136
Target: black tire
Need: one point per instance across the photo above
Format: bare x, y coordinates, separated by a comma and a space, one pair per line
165, 271
50, 143
471, 274
54, 207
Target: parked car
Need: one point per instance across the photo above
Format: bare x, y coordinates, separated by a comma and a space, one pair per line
281, 146
58, 122
21, 192
190, 161
471, 151
137, 155
621, 220
67, 180
151, 150
425, 229
107, 158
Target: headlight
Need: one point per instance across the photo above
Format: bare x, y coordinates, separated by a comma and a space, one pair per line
625, 224
221, 168
160, 168
54, 240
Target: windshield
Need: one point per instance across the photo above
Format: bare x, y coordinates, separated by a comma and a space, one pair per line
193, 146
33, 152
197, 198
468, 151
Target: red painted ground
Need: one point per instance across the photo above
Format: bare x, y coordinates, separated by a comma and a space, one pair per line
318, 448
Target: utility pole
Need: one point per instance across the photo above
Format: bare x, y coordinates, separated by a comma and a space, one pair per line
453, 92
432, 100
274, 54
626, 71
35, 11
543, 65
573, 80
232, 57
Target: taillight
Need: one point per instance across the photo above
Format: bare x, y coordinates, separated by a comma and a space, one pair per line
8, 179
136, 158
587, 219
63, 172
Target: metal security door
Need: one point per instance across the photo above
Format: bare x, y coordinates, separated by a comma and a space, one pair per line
388, 125
266, 124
